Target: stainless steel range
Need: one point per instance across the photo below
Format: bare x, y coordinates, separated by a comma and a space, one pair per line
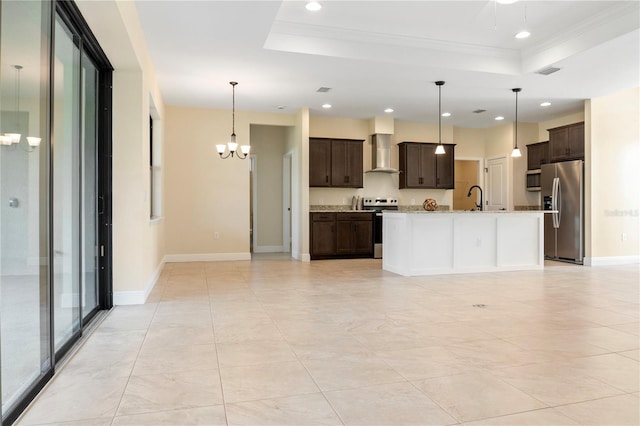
378, 205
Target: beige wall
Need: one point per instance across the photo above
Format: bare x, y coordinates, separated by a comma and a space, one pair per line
207, 198
613, 175
543, 126
268, 144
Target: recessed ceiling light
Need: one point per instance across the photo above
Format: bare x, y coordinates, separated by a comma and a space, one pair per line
388, 110
446, 114
326, 106
506, 1
498, 118
545, 104
313, 6
523, 34
280, 107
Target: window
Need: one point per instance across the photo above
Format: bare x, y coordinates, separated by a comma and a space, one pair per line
155, 167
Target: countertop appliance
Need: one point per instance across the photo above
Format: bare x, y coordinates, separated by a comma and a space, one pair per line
378, 205
563, 190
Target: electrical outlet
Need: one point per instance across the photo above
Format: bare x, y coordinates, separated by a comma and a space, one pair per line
320, 200
623, 236
413, 201
216, 235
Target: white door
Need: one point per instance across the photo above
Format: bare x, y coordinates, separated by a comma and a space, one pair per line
497, 184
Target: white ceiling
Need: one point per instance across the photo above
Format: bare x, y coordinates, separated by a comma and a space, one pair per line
379, 54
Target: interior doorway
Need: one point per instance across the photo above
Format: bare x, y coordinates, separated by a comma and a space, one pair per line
467, 173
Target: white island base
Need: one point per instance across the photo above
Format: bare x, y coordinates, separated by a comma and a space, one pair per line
431, 243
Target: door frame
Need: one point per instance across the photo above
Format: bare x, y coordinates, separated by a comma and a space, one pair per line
286, 201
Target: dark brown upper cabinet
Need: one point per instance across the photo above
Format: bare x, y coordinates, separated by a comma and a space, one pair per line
319, 162
566, 143
537, 155
335, 163
421, 168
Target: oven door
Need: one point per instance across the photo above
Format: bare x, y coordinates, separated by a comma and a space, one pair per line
377, 235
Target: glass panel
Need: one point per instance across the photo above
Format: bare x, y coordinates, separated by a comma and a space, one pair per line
24, 303
66, 186
89, 187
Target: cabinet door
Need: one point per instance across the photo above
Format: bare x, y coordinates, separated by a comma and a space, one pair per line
576, 141
533, 156
319, 162
428, 167
543, 154
323, 238
354, 164
558, 144
362, 237
346, 163
339, 173
445, 168
412, 170
344, 237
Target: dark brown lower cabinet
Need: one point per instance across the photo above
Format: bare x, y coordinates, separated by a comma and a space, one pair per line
323, 234
341, 235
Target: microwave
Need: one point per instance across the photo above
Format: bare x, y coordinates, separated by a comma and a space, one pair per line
533, 180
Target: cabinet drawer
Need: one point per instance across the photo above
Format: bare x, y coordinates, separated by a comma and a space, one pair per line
323, 217
355, 216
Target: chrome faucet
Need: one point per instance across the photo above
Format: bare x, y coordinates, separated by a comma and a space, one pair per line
479, 206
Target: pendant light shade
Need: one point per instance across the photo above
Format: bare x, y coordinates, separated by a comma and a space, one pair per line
516, 151
232, 145
440, 148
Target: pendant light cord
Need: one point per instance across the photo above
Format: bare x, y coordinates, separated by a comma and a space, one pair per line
516, 119
440, 115
233, 110
516, 91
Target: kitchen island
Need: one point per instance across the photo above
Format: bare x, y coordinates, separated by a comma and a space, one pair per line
452, 242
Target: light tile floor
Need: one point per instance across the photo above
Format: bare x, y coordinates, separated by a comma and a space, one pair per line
280, 342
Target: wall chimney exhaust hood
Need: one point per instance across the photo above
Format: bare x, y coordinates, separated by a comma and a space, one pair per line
381, 154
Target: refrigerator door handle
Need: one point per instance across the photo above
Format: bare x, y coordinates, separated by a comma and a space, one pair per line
554, 202
559, 202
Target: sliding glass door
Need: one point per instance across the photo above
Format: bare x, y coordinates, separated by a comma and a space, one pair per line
89, 182
26, 357
55, 175
66, 185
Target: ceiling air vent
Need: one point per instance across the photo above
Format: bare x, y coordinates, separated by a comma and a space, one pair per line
479, 111
548, 70
323, 89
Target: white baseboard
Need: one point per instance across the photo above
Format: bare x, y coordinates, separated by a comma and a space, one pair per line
206, 257
138, 297
268, 249
129, 297
611, 260
304, 257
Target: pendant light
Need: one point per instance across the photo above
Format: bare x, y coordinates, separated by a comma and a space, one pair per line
232, 144
440, 148
516, 150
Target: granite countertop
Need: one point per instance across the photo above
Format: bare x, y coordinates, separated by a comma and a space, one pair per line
339, 211
471, 211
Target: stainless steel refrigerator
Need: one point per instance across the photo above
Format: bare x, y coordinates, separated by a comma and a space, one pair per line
563, 190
